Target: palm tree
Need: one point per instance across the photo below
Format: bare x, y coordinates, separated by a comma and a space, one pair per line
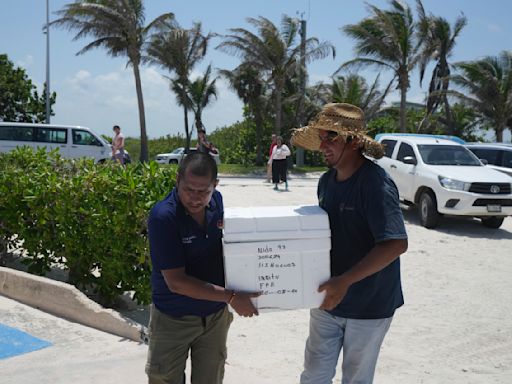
388, 39
250, 88
118, 26
353, 89
178, 51
439, 43
200, 94
489, 83
274, 53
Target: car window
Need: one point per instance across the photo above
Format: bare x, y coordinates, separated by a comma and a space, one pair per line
447, 155
51, 135
507, 159
491, 155
389, 146
404, 151
81, 137
17, 133
178, 151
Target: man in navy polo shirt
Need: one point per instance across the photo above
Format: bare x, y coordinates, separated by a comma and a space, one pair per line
189, 312
367, 237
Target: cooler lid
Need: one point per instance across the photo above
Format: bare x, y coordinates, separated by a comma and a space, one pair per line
248, 224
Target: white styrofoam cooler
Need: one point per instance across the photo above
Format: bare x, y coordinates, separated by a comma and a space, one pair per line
282, 252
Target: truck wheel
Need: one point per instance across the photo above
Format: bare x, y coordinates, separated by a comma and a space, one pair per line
173, 161
492, 222
429, 217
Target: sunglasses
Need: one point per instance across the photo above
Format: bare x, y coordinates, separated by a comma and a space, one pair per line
329, 137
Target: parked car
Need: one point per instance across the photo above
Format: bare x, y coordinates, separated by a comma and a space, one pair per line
496, 155
442, 176
71, 141
176, 156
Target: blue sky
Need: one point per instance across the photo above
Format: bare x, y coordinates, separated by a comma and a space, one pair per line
97, 91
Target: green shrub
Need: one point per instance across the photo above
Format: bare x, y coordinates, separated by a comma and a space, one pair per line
89, 218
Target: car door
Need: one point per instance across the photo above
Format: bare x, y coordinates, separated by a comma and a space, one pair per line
386, 161
52, 138
85, 144
404, 174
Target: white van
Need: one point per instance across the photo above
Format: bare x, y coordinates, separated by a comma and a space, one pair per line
72, 141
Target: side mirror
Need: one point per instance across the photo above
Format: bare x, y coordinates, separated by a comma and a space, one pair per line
484, 161
410, 160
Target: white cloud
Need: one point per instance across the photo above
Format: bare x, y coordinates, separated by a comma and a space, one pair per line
100, 100
494, 28
27, 62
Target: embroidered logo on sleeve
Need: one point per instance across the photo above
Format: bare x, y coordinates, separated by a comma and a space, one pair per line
188, 240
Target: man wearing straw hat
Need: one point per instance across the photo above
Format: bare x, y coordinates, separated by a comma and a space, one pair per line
367, 237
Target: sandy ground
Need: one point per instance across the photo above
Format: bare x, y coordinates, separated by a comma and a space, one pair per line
456, 325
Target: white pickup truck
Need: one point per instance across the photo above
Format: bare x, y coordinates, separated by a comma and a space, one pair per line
442, 176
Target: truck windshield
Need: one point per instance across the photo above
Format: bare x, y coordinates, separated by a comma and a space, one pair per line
447, 155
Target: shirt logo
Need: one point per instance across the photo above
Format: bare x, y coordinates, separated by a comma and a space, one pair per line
188, 240
344, 207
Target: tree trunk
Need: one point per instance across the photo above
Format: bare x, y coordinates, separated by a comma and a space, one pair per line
448, 113
277, 121
499, 134
185, 112
144, 153
187, 133
259, 134
403, 107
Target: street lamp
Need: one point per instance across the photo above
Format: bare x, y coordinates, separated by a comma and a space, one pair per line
48, 107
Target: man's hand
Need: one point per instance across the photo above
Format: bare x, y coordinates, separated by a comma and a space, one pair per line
243, 305
335, 290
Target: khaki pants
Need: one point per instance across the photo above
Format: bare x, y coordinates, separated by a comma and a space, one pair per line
171, 339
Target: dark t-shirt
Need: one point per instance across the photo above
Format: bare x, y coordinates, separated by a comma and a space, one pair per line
176, 240
363, 210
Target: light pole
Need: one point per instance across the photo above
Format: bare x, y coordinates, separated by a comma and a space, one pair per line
299, 155
48, 107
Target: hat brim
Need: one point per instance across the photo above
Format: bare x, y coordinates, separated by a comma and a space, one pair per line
308, 138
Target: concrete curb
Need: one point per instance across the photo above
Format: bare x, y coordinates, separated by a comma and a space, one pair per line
65, 300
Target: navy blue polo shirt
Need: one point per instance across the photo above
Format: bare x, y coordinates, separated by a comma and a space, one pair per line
363, 210
176, 240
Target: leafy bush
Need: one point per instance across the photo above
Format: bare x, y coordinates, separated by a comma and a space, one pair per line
89, 218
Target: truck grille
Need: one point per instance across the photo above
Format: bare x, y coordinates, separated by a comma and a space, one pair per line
485, 202
490, 188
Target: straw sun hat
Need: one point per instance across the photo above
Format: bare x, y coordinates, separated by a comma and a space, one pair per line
345, 119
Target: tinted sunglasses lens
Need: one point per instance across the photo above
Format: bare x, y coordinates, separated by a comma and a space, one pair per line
331, 136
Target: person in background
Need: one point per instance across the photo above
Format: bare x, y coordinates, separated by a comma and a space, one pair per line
279, 163
189, 312
118, 145
367, 237
269, 163
203, 145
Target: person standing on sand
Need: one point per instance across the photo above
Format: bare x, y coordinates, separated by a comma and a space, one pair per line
189, 312
367, 237
118, 145
279, 163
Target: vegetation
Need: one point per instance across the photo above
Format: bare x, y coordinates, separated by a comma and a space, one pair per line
274, 55
19, 99
117, 26
90, 219
388, 39
489, 82
178, 51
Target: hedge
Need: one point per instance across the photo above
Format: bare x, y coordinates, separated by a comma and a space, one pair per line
89, 218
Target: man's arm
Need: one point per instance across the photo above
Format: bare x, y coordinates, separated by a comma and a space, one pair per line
179, 282
378, 258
